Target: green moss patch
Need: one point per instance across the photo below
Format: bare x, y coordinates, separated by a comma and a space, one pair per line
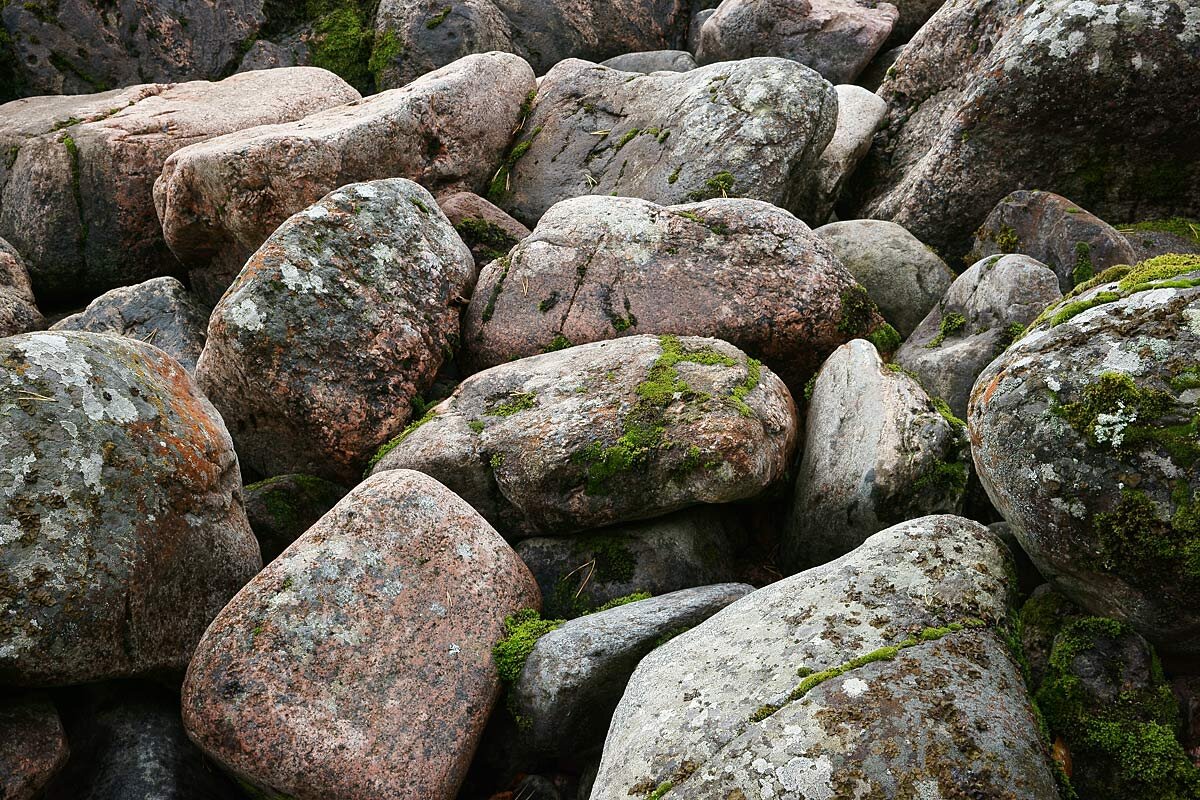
390, 446
719, 185
521, 632
1177, 226
950, 325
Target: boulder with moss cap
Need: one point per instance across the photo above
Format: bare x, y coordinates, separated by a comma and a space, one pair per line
883, 673
1085, 435
606, 432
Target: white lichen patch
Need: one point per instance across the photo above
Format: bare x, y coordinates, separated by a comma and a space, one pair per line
855, 687
1191, 318
302, 282
1110, 428
316, 212
245, 314
811, 778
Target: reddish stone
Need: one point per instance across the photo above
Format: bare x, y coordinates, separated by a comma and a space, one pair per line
33, 746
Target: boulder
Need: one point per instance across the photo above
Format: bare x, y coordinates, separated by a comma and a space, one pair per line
282, 508
837, 38
76, 195
579, 573
1075, 244
219, 202
904, 277
18, 309
696, 26
334, 326
300, 690
1159, 237
913, 15
486, 229
860, 114
595, 130
123, 529
884, 673
873, 76
738, 270
605, 432
983, 312
421, 36
1084, 435
33, 745
653, 61
994, 95
160, 311
878, 451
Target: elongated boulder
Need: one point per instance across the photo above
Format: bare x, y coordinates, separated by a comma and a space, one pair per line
220, 201
598, 268
359, 663
33, 745
878, 451
595, 130
860, 113
994, 95
18, 309
123, 530
604, 433
338, 321
881, 674
76, 198
1084, 434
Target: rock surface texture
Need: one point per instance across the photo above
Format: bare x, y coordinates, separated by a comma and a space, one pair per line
33, 746
18, 309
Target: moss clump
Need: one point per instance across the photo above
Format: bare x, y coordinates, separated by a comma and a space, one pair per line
500, 180
513, 404
1084, 269
809, 386
857, 310
521, 632
559, 342
404, 434
492, 240
438, 18
944, 478
674, 176
1006, 239
943, 408
719, 185
342, 41
1010, 334
885, 338
623, 601
629, 136
1154, 271
548, 303
950, 325
385, 51
490, 308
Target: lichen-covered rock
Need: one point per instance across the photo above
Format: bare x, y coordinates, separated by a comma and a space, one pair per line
878, 451
904, 277
994, 95
604, 433
220, 200
595, 130
837, 38
282, 508
422, 35
486, 229
33, 745
879, 674
18, 309
1074, 243
985, 309
860, 113
359, 663
1084, 435
76, 188
579, 573
86, 46
338, 321
652, 61
122, 527
160, 311
739, 270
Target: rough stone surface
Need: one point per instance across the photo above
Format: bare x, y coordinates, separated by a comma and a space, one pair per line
653, 61
160, 311
913, 14
575, 675
338, 321
579, 573
1074, 243
1083, 434
429, 35
904, 277
739, 270
1087, 99
606, 432
33, 745
708, 714
837, 38
877, 452
298, 688
282, 508
595, 130
995, 299
486, 229
873, 76
18, 310
123, 531
1150, 243
220, 200
76, 192
860, 113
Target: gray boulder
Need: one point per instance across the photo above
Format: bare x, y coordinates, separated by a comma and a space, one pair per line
160, 311
904, 277
653, 61
885, 672
1084, 435
340, 319
18, 309
605, 432
595, 130
123, 529
982, 313
860, 114
878, 451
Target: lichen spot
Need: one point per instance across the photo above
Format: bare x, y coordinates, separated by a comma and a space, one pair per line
245, 315
302, 282
366, 191
316, 212
1191, 318
385, 252
808, 777
464, 551
855, 687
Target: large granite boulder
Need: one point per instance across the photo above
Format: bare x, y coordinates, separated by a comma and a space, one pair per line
18, 309
599, 268
604, 433
219, 201
884, 673
76, 183
359, 663
749, 128
335, 325
122, 528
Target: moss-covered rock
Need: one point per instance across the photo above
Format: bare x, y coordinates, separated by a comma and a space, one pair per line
284, 507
